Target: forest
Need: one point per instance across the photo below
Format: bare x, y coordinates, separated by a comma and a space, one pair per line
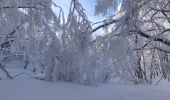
131, 44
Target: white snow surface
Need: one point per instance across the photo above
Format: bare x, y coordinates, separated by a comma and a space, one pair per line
26, 88
30, 89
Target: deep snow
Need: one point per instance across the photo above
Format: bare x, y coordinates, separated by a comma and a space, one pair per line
31, 89
26, 88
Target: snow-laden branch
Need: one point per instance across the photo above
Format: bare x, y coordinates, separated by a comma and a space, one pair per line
11, 7
160, 10
39, 6
6, 43
158, 39
105, 24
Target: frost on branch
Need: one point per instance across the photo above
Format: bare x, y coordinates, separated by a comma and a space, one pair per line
146, 25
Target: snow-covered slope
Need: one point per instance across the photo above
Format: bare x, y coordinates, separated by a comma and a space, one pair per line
30, 89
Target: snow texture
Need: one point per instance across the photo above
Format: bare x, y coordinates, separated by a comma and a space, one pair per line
30, 89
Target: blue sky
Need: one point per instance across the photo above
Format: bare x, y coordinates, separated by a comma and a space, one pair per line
88, 5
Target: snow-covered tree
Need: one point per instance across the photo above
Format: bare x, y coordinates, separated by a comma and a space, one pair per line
147, 21
134, 45
22, 28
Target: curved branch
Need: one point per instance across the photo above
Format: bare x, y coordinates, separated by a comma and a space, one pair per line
158, 39
105, 24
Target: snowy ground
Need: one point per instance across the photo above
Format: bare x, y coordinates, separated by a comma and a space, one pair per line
31, 89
